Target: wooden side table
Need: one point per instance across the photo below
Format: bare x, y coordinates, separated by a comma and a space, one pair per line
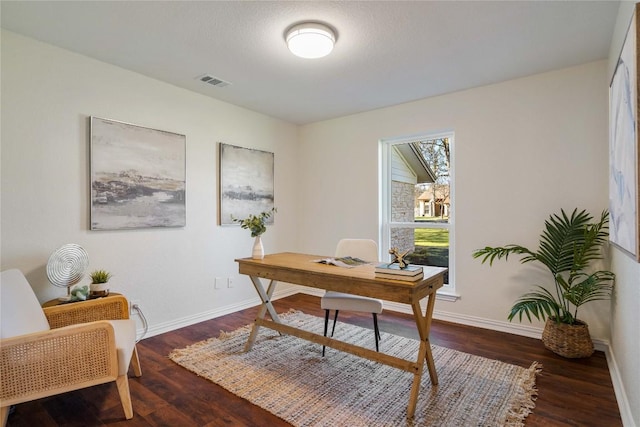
112, 307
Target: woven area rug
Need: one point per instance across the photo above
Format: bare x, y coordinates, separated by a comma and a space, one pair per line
288, 377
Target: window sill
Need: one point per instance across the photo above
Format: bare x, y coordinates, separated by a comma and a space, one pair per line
447, 295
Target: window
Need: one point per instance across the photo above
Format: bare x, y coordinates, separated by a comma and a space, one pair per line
416, 201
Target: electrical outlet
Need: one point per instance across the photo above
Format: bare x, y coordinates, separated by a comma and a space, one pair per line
230, 282
218, 283
132, 304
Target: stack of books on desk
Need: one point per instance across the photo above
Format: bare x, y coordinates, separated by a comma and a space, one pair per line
411, 273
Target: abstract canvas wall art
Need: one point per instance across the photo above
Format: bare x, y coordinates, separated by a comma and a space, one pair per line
246, 178
624, 228
138, 176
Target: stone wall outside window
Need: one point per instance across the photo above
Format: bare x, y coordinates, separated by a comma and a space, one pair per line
402, 210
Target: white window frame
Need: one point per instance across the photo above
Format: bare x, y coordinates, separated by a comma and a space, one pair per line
447, 292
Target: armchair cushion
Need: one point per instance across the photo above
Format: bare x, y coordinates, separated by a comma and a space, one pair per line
20, 311
125, 332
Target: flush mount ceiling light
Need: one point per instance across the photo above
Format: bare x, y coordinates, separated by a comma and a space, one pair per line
310, 40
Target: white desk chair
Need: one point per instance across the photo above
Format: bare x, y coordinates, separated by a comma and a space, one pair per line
366, 250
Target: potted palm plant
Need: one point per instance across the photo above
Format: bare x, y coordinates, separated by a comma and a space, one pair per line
568, 246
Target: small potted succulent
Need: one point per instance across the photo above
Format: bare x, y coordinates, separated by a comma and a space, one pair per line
256, 224
98, 280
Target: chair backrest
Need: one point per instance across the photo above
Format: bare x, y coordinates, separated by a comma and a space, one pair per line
365, 249
20, 311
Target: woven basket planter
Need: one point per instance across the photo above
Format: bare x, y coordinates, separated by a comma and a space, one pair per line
571, 341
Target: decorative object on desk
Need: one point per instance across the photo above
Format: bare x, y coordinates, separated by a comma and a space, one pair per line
389, 268
256, 224
410, 273
398, 257
66, 267
568, 246
257, 251
272, 377
401, 277
138, 176
98, 279
345, 261
246, 182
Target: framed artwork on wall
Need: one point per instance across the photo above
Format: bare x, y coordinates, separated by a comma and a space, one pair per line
624, 157
138, 176
246, 178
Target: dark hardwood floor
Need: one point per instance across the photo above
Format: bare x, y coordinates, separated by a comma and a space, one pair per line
570, 392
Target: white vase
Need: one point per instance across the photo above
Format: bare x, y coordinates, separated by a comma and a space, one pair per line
258, 249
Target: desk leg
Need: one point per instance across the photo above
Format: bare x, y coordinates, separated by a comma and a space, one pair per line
424, 326
266, 305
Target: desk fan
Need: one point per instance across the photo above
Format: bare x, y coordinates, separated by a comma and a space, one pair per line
66, 267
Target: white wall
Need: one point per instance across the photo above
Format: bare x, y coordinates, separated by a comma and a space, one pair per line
625, 308
47, 96
523, 149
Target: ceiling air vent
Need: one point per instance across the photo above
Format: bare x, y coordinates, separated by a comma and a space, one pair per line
213, 81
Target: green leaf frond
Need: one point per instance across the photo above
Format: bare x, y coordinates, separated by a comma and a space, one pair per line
255, 223
491, 254
560, 238
541, 304
593, 287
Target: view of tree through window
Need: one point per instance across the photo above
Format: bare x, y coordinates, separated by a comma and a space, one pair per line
424, 229
437, 154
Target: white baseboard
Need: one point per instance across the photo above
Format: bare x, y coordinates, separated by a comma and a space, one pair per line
618, 388
161, 328
463, 319
496, 325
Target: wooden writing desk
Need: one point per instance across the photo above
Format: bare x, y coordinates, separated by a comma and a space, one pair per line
300, 269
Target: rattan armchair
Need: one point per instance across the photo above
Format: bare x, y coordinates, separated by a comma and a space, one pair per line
53, 351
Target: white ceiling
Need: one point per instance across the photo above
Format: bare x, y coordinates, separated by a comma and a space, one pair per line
387, 52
